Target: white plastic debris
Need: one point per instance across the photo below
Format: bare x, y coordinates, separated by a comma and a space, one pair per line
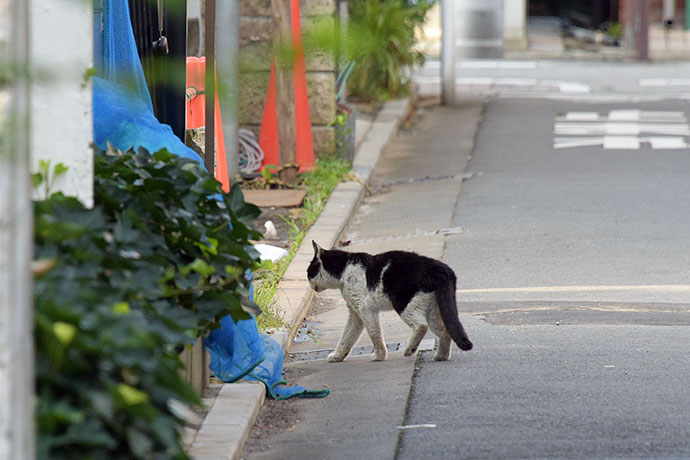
270, 233
269, 252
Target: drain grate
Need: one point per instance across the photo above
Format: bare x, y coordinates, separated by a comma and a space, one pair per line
316, 355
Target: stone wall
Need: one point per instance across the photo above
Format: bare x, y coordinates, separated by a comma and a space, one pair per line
255, 63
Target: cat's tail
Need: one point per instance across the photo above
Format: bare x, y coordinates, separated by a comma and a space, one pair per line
445, 297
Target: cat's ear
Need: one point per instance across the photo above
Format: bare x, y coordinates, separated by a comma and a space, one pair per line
317, 248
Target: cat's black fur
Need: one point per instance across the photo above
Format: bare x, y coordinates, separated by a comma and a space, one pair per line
397, 279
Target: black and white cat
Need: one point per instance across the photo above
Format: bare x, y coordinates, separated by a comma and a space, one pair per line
420, 289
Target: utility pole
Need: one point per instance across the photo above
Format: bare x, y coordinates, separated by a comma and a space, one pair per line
447, 52
638, 25
16, 240
285, 91
210, 84
227, 38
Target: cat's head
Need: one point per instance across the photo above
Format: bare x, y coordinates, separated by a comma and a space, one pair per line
319, 278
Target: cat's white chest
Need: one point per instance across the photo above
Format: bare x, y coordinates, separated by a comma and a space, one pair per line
356, 293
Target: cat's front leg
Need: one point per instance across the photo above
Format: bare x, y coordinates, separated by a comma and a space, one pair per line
352, 331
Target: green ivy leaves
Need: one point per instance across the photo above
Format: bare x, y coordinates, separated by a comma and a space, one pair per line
158, 261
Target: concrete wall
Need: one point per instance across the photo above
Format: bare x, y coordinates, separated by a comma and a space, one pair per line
61, 125
255, 63
514, 24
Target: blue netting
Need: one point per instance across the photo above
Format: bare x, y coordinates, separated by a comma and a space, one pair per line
122, 109
123, 116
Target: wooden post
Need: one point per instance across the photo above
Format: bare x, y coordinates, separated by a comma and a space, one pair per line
16, 240
285, 94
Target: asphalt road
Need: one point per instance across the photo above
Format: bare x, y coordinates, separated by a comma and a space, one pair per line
573, 285
574, 264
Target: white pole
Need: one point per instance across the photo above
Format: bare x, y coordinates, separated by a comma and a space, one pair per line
227, 51
16, 239
447, 52
669, 12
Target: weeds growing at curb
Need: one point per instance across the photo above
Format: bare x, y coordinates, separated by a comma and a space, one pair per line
319, 183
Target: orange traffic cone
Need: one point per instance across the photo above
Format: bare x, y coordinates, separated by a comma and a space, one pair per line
196, 114
268, 136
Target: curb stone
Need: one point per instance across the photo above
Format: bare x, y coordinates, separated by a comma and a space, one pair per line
233, 413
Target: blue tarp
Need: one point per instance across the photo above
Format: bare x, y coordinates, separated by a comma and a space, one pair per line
123, 116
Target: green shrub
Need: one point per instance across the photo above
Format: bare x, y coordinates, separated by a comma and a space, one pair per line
381, 42
135, 279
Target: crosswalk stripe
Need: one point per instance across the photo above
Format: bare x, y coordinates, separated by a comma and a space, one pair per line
622, 130
622, 142
625, 115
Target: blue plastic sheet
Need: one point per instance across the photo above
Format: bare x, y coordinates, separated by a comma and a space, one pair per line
123, 116
236, 354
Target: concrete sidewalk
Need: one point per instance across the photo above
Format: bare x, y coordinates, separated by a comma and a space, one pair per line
233, 412
410, 206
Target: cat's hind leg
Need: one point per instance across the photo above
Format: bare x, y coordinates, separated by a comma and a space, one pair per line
353, 329
414, 317
443, 345
370, 316
415, 340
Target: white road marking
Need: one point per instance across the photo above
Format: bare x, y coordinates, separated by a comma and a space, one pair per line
486, 64
621, 143
500, 85
576, 306
580, 116
621, 130
626, 115
596, 98
657, 143
573, 87
664, 82
422, 425
611, 288
569, 142
668, 143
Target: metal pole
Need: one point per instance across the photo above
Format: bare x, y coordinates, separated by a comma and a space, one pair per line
227, 37
210, 90
447, 52
669, 12
16, 240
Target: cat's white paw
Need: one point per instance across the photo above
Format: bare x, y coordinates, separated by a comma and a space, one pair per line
379, 356
441, 356
333, 358
409, 351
